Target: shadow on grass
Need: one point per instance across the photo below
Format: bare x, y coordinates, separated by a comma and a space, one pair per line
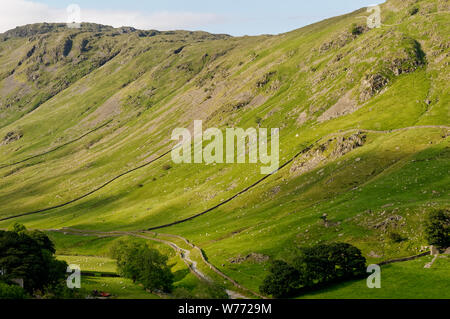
180, 274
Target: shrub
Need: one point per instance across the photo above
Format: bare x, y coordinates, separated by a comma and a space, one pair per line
312, 267
412, 11
282, 280
329, 262
144, 265
395, 237
437, 228
11, 291
29, 255
356, 29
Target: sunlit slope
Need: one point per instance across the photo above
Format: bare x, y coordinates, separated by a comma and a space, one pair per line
370, 108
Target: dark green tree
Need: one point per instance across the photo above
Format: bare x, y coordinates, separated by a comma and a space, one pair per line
22, 256
155, 273
282, 281
347, 260
326, 263
144, 265
311, 267
11, 291
437, 228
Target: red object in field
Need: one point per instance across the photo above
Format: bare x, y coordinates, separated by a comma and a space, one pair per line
105, 294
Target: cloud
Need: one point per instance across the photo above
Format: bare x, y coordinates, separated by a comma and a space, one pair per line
20, 12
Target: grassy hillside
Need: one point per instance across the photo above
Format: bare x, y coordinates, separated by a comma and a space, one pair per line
85, 115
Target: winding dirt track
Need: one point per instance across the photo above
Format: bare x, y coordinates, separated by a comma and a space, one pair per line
183, 253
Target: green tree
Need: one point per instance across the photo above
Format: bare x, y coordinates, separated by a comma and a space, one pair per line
282, 280
22, 256
144, 265
437, 228
11, 291
17, 228
126, 254
326, 263
347, 260
314, 266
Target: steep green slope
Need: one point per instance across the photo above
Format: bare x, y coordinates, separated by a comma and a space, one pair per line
369, 108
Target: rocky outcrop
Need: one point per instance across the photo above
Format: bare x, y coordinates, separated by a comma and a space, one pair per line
11, 137
330, 150
405, 58
253, 257
371, 85
345, 105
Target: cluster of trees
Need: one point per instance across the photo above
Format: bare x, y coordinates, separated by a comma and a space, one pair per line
135, 260
437, 228
314, 266
29, 255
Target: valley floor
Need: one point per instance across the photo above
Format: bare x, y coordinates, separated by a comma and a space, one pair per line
404, 280
401, 280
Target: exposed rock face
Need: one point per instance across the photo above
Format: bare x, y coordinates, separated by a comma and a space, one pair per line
330, 150
407, 58
254, 257
371, 85
390, 221
375, 255
347, 144
302, 118
342, 39
345, 105
11, 137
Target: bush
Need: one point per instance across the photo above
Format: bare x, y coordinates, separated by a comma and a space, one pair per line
356, 29
395, 237
414, 10
312, 267
11, 291
328, 263
437, 228
29, 256
282, 280
144, 265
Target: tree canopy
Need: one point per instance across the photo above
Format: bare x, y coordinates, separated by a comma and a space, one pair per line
28, 255
314, 266
144, 265
437, 228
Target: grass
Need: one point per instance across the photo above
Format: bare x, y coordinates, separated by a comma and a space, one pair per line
405, 280
147, 91
91, 263
119, 288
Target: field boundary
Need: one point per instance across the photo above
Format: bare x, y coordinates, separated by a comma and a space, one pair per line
397, 260
230, 198
182, 253
56, 148
87, 194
